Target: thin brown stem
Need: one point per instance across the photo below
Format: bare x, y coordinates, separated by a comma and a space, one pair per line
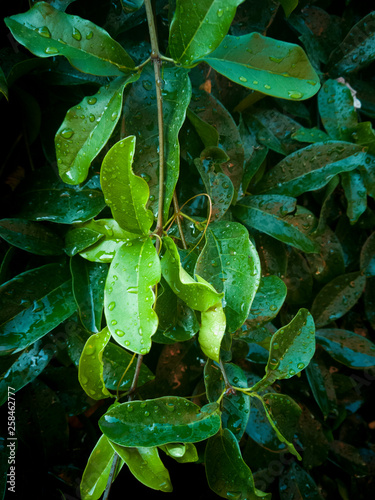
178, 220
110, 477
133, 387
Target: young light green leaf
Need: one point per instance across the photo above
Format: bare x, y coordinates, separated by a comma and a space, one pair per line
347, 347
227, 473
367, 258
355, 193
269, 214
146, 465
90, 370
267, 302
125, 193
291, 349
260, 63
229, 261
33, 304
181, 452
30, 236
155, 422
96, 473
200, 296
311, 168
289, 6
212, 331
283, 414
48, 32
337, 111
129, 296
337, 297
198, 28
78, 142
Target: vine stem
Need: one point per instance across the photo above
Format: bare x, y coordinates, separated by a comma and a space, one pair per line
178, 220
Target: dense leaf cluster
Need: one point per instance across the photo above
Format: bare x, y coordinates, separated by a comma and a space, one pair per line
187, 247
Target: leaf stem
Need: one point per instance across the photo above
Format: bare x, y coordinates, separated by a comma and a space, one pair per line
178, 220
135, 378
110, 477
156, 59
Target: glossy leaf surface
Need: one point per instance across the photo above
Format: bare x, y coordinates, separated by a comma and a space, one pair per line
260, 63
355, 193
267, 302
159, 421
297, 484
200, 295
367, 258
48, 32
87, 128
198, 28
212, 330
269, 214
321, 384
129, 298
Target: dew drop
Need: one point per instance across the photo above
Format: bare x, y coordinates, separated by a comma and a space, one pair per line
147, 85
255, 82
51, 50
120, 333
132, 289
113, 322
91, 117
44, 31
67, 133
242, 79
143, 351
292, 372
301, 366
220, 12
111, 306
89, 35
114, 115
145, 176
76, 34
294, 94
266, 86
91, 100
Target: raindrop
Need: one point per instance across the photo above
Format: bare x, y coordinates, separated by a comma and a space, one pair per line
143, 351
276, 59
92, 100
242, 79
89, 35
120, 333
132, 289
92, 117
44, 31
113, 322
51, 50
267, 86
111, 306
255, 82
292, 372
145, 176
114, 115
294, 94
301, 366
76, 34
67, 133
147, 85
220, 12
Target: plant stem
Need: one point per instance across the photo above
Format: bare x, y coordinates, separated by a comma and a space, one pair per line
110, 477
178, 220
135, 378
156, 59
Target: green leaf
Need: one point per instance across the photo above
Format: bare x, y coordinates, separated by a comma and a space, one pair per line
346, 347
310, 135
298, 278
357, 50
3, 84
283, 414
88, 290
181, 453
129, 296
322, 386
90, 371
140, 108
25, 368
337, 297
146, 465
155, 422
267, 302
198, 28
227, 474
207, 133
260, 63
125, 193
337, 111
311, 168
269, 214
272, 255
212, 331
229, 261
30, 236
355, 193
200, 296
364, 135
291, 349
289, 6
255, 153
367, 258
105, 249
330, 261
296, 483
97, 470
86, 129
48, 32
79, 238
33, 304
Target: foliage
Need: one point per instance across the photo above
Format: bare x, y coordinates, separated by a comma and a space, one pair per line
187, 248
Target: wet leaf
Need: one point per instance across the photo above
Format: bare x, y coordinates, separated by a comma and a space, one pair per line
146, 465
181, 452
337, 297
88, 290
34, 303
289, 6
355, 193
267, 302
193, 36
77, 239
297, 484
272, 254
310, 135
90, 370
159, 421
125, 193
48, 32
260, 63
329, 262
321, 384
298, 278
227, 474
129, 296
367, 258
311, 434
86, 129
207, 133
229, 261
183, 285
3, 84
347, 347
311, 168
369, 300
213, 323
357, 461
269, 214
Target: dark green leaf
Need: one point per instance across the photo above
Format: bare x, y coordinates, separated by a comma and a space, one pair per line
129, 296
337, 298
30, 236
159, 421
88, 290
77, 239
355, 193
329, 262
311, 434
3, 84
297, 484
211, 332
310, 135
346, 347
260, 63
48, 32
356, 460
33, 303
125, 193
255, 153
289, 6
321, 384
269, 214
227, 474
208, 133
369, 300
87, 128
267, 302
272, 254
367, 259
364, 135
311, 168
198, 28
229, 261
